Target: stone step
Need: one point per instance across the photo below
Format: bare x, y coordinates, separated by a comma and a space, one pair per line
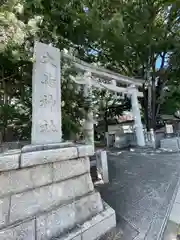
55, 221
94, 228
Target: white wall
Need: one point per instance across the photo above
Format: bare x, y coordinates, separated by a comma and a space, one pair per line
120, 128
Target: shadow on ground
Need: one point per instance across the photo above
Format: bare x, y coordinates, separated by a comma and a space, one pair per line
141, 191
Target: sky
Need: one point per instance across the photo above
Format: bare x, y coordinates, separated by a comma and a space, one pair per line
158, 61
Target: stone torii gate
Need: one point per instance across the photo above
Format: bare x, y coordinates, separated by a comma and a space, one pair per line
88, 77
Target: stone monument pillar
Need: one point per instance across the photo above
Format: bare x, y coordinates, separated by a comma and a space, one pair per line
46, 95
46, 190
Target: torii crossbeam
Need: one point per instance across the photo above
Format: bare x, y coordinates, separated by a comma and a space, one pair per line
89, 74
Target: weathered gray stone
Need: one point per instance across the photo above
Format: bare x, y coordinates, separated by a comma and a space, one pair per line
53, 223
72, 188
47, 156
40, 199
23, 179
29, 203
70, 168
41, 175
72, 235
4, 209
15, 181
170, 144
23, 231
94, 228
66, 217
99, 224
85, 150
40, 147
88, 207
46, 95
9, 161
102, 165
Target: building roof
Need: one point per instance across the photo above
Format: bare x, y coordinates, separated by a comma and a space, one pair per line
167, 117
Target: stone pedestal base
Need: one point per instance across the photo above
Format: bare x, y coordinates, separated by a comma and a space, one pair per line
94, 228
48, 193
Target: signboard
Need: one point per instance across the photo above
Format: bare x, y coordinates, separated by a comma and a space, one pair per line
169, 128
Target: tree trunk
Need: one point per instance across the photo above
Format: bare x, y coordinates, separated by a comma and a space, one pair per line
106, 121
145, 106
153, 123
5, 102
149, 107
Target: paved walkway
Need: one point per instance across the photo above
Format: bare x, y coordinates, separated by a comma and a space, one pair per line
141, 189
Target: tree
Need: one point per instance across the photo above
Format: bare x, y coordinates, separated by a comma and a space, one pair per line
21, 22
172, 100
108, 106
126, 36
148, 31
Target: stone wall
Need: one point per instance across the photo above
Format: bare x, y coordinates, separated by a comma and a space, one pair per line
45, 193
125, 140
171, 144
129, 140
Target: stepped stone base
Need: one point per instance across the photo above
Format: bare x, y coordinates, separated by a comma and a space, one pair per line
96, 227
47, 193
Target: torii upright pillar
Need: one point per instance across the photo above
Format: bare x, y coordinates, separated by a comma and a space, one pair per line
137, 116
89, 122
